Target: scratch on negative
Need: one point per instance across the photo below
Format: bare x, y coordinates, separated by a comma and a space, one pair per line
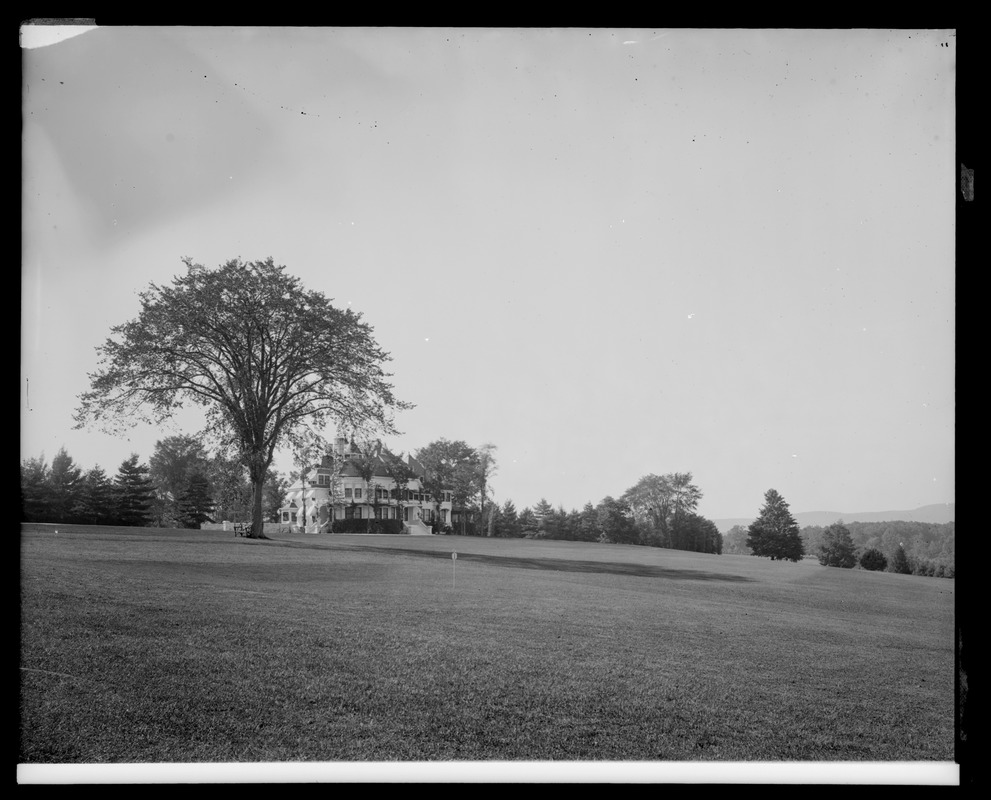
49, 672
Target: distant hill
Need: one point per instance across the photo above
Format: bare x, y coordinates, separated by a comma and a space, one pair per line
937, 513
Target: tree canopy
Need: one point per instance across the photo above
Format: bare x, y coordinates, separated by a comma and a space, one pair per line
450, 465
269, 362
836, 548
774, 534
657, 499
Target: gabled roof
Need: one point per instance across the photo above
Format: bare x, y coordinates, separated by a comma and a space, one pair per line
418, 469
350, 470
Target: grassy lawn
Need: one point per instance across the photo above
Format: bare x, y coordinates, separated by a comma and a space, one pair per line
147, 645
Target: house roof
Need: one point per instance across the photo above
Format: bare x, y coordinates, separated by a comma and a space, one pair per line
349, 468
418, 469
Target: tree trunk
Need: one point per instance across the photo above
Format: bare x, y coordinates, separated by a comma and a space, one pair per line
257, 522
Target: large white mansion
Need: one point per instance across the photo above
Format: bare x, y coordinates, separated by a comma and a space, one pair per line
336, 490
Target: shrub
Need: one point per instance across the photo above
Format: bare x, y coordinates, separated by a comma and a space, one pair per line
874, 560
368, 526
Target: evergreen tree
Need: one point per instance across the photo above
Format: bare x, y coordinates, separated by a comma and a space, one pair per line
63, 487
900, 562
509, 522
562, 524
195, 503
528, 523
134, 493
95, 500
836, 548
34, 490
775, 533
546, 524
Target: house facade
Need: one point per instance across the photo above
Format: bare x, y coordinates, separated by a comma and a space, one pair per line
350, 484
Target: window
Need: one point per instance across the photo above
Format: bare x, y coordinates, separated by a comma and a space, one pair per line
285, 516
323, 480
347, 493
357, 494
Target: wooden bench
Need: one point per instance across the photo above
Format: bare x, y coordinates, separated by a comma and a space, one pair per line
241, 528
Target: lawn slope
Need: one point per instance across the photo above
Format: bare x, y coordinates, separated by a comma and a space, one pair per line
147, 645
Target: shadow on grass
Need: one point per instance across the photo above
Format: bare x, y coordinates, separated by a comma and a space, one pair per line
550, 564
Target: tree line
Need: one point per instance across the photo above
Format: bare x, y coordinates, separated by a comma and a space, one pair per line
917, 548
182, 485
658, 511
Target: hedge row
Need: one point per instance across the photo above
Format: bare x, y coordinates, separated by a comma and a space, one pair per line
368, 526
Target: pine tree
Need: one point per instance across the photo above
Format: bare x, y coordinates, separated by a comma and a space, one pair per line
34, 490
775, 533
509, 522
195, 504
528, 523
95, 500
134, 493
63, 486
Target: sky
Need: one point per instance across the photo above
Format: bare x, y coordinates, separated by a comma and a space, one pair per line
608, 252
